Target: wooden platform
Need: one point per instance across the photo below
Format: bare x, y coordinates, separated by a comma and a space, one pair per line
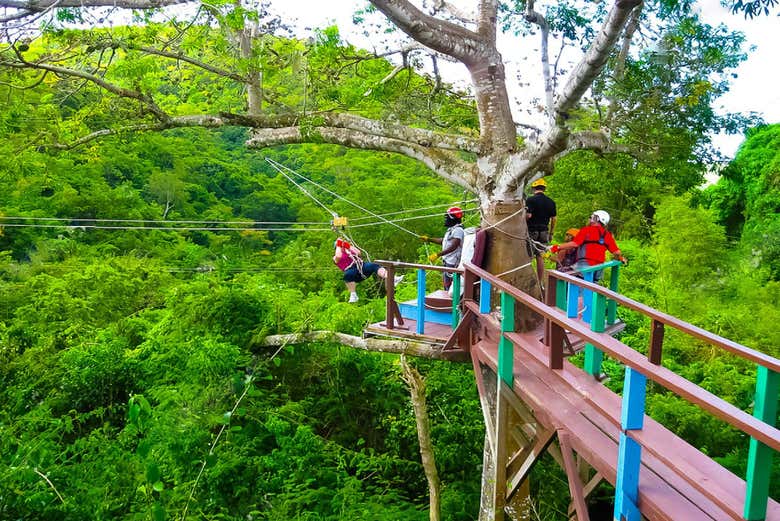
572, 401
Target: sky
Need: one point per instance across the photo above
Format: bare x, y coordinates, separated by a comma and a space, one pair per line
754, 90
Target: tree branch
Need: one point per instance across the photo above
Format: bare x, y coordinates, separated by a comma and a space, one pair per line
442, 36
534, 17
406, 347
97, 80
446, 164
37, 6
596, 56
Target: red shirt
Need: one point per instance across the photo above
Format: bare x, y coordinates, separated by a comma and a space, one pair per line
589, 248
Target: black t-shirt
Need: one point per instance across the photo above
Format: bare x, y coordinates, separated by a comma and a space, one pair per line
541, 209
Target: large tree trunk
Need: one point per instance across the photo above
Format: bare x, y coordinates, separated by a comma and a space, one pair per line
509, 255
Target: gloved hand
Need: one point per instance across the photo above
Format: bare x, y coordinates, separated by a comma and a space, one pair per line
623, 260
554, 248
425, 238
433, 256
339, 243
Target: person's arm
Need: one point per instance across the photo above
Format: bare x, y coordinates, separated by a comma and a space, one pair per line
433, 240
553, 222
452, 247
337, 255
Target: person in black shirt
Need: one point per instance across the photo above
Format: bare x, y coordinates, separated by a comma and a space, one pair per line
542, 216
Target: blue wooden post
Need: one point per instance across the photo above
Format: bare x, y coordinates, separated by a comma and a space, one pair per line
420, 301
484, 296
572, 299
587, 297
505, 347
455, 299
759, 468
593, 356
630, 452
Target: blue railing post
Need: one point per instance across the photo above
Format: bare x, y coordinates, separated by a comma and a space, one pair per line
759, 468
572, 299
505, 347
484, 296
629, 451
420, 301
455, 299
587, 297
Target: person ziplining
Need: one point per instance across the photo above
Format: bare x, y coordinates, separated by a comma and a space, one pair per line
348, 259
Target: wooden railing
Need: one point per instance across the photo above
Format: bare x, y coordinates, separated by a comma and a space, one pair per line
392, 310
764, 437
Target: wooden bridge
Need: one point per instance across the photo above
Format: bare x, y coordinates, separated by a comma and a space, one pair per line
534, 400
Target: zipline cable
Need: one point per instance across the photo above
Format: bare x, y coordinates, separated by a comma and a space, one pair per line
279, 167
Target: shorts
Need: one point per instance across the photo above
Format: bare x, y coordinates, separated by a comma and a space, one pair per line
353, 274
540, 236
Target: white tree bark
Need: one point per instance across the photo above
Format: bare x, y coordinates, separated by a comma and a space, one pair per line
416, 385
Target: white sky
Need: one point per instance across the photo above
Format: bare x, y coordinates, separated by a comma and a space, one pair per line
756, 89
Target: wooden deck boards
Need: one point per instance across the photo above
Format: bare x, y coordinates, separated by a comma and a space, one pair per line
574, 401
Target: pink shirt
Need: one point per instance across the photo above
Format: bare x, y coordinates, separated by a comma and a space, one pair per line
347, 258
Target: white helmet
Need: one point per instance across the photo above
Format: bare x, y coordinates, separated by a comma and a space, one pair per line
601, 216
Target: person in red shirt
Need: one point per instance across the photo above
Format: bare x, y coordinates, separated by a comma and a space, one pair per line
592, 242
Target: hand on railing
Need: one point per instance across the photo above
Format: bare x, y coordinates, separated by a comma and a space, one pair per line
622, 259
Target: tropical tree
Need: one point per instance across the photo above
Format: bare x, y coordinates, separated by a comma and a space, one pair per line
115, 80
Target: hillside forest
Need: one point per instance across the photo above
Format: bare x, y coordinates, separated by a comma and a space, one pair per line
141, 272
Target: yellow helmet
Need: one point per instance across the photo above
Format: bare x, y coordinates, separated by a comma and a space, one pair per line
539, 183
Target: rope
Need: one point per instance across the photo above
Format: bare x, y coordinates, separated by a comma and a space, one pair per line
279, 168
301, 188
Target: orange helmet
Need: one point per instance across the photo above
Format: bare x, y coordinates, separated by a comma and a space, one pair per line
572, 231
455, 211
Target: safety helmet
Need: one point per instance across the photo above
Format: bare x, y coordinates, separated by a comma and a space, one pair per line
573, 231
539, 183
601, 216
455, 212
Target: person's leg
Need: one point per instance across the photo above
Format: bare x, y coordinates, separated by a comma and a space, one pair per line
351, 280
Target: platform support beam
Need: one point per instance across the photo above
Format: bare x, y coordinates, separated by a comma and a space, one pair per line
759, 468
572, 473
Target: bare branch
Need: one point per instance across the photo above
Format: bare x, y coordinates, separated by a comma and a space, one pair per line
593, 62
446, 164
147, 101
179, 57
439, 35
537, 18
444, 7
620, 63
36, 6
406, 347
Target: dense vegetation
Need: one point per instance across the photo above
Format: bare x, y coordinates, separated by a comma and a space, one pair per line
132, 381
